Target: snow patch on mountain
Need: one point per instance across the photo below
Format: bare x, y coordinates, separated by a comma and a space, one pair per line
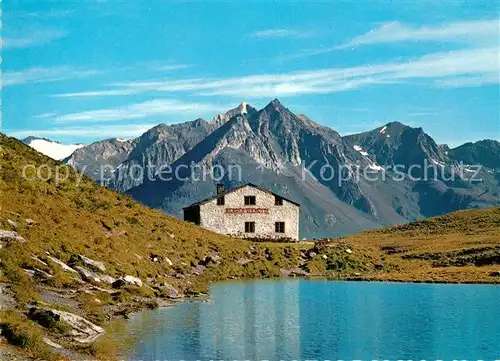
375, 166
360, 150
54, 150
441, 164
382, 131
243, 108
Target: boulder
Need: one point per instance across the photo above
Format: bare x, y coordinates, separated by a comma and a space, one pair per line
170, 291
155, 258
62, 264
89, 276
7, 237
216, 258
243, 261
285, 272
98, 265
133, 281
297, 272
30, 222
198, 270
35, 258
212, 258
29, 272
169, 262
12, 223
348, 250
42, 274
107, 279
495, 274
52, 344
127, 280
82, 330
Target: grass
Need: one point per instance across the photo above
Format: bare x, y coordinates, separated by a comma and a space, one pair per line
439, 249
25, 334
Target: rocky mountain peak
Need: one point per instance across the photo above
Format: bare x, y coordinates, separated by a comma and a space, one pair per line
244, 109
397, 143
274, 105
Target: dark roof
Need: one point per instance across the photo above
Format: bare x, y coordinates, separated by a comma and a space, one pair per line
236, 188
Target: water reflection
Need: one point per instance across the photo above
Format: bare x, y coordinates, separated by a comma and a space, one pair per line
292, 320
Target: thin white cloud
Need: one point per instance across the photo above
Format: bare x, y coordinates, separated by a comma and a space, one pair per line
169, 67
45, 116
137, 111
422, 114
280, 33
438, 69
468, 81
97, 93
36, 37
46, 74
52, 13
476, 33
465, 31
459, 68
105, 131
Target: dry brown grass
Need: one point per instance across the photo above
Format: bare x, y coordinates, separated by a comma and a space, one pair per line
419, 250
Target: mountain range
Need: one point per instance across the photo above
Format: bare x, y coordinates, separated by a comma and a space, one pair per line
390, 175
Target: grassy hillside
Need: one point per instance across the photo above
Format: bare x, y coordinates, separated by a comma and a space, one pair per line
75, 216
61, 221
458, 247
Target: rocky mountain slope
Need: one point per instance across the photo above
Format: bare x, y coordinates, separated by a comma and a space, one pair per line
486, 152
393, 174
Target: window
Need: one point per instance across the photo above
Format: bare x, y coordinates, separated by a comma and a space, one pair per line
278, 201
279, 227
249, 227
250, 201
220, 201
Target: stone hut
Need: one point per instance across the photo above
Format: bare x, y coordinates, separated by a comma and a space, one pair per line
248, 211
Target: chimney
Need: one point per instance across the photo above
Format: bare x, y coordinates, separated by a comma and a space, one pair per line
220, 188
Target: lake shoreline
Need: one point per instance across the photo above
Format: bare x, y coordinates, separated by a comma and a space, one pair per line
143, 304
171, 334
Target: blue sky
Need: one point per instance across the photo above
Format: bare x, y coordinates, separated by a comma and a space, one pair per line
80, 71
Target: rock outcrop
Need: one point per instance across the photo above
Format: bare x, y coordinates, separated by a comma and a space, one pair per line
98, 265
79, 329
7, 237
127, 280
